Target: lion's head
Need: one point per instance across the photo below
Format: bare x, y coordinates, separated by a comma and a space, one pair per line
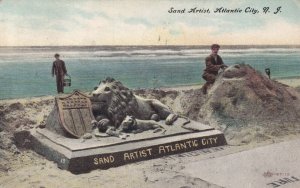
114, 99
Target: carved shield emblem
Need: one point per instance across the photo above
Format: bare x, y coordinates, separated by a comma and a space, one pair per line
75, 112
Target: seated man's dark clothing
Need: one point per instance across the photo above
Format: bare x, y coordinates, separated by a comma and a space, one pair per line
213, 65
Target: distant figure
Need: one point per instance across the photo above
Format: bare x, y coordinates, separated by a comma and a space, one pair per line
213, 64
268, 72
59, 69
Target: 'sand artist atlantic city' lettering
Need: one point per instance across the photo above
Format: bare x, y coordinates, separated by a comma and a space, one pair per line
154, 151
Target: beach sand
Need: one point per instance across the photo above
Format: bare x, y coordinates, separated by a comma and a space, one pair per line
290, 82
25, 168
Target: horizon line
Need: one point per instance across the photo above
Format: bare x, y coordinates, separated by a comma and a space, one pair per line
110, 45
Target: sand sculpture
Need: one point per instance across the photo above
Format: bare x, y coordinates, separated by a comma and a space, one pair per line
118, 110
83, 132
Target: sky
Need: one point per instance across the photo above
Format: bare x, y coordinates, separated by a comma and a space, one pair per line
147, 22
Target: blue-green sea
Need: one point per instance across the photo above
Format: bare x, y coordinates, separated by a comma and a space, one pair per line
26, 71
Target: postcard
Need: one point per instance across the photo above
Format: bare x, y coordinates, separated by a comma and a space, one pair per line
169, 93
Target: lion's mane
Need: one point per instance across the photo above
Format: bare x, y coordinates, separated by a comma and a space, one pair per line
123, 102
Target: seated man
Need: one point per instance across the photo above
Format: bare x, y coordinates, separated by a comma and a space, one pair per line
213, 64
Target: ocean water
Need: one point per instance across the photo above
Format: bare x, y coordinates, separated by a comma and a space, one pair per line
26, 71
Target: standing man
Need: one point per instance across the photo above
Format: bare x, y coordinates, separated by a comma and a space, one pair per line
213, 64
59, 69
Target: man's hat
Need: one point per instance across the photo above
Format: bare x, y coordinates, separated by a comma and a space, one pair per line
215, 46
56, 55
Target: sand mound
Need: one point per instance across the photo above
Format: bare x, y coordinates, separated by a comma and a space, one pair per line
242, 99
19, 114
243, 94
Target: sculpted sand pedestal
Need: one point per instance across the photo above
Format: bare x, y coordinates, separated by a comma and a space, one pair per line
78, 155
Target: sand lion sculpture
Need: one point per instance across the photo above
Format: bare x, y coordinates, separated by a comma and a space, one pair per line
118, 110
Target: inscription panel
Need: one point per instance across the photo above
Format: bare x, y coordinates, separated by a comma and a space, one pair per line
105, 161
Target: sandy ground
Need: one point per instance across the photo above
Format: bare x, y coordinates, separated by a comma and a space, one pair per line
291, 82
25, 168
273, 165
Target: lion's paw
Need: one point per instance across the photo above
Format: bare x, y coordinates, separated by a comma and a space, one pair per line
171, 119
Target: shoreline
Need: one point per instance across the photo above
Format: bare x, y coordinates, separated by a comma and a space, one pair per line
292, 82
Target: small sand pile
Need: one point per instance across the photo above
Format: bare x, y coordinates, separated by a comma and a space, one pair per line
16, 115
247, 105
